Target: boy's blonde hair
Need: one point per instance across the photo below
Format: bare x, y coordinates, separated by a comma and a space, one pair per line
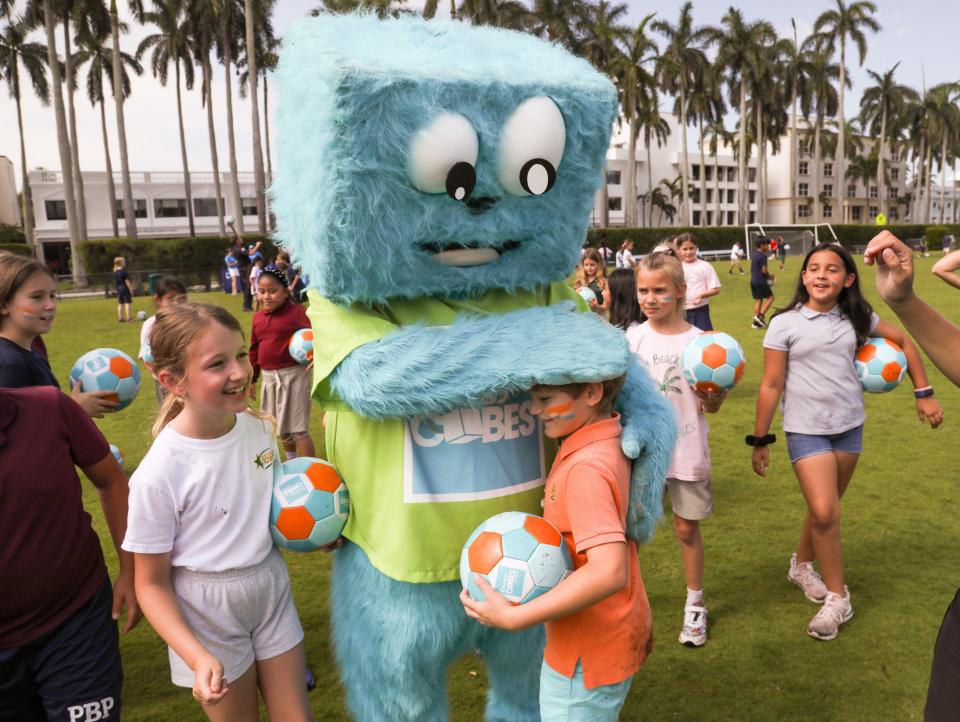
16, 270
176, 329
611, 389
601, 278
671, 266
118, 263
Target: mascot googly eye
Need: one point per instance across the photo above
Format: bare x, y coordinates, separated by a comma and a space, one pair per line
443, 157
531, 146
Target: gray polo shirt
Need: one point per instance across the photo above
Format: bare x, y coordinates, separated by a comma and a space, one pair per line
822, 394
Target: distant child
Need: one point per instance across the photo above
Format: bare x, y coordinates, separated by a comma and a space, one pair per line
592, 274
170, 289
702, 282
28, 306
255, 270
598, 619
286, 384
625, 312
736, 253
624, 257
808, 358
121, 279
294, 277
208, 577
761, 283
233, 271
781, 251
658, 343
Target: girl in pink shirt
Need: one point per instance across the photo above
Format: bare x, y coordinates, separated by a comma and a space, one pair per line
658, 343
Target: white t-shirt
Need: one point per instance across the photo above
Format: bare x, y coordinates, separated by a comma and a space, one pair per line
736, 252
207, 501
619, 259
145, 337
660, 355
700, 277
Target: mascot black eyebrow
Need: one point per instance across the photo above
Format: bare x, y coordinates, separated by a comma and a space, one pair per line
435, 185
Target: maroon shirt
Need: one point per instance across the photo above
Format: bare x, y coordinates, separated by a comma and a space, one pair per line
50, 557
271, 334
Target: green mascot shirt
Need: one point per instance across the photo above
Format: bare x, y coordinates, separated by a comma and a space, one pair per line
419, 486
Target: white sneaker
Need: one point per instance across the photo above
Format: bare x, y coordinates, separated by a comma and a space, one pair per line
758, 319
835, 611
806, 577
694, 632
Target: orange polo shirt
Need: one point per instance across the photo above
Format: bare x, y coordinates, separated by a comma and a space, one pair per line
586, 499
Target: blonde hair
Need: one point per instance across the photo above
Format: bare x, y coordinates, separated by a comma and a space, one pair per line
177, 328
672, 269
601, 276
118, 263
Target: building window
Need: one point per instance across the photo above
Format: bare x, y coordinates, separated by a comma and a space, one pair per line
803, 147
828, 190
751, 175
139, 208
753, 216
709, 194
708, 173
613, 177
729, 218
205, 206
851, 191
894, 155
709, 218
695, 174
803, 210
803, 189
248, 206
891, 192
803, 168
855, 213
828, 170
730, 196
753, 197
894, 213
56, 210
731, 174
873, 212
696, 218
170, 208
614, 203
894, 174
827, 211
873, 192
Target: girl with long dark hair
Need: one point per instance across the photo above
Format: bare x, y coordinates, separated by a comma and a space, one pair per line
625, 310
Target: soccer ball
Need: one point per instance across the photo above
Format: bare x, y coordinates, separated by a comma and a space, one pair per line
108, 369
301, 346
141, 315
587, 294
310, 504
229, 220
712, 361
521, 555
880, 364
117, 454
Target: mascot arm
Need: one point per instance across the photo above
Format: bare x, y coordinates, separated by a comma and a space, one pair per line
649, 435
432, 369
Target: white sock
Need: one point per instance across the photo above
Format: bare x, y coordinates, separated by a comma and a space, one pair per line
694, 596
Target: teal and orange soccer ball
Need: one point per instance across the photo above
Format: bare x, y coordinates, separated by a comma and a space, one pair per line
713, 361
521, 555
310, 504
880, 365
108, 369
301, 346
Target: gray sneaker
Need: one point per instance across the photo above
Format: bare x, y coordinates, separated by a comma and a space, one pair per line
806, 577
835, 611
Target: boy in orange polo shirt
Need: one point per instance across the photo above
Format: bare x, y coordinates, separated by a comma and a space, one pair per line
598, 621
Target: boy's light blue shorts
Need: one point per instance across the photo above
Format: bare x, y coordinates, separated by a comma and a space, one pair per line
565, 699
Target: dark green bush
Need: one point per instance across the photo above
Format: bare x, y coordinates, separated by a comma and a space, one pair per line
12, 234
934, 236
20, 248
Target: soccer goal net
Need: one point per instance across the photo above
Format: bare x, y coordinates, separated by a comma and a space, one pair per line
798, 238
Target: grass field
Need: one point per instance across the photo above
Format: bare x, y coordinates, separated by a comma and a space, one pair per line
900, 548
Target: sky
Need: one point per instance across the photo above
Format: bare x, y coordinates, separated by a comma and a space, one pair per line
918, 34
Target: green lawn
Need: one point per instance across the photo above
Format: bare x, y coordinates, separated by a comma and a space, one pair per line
901, 558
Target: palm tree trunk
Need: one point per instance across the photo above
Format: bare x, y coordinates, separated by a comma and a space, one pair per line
231, 139
841, 161
718, 220
793, 156
917, 182
183, 155
943, 176
817, 157
880, 184
703, 178
649, 179
208, 91
928, 183
742, 159
129, 219
255, 116
630, 187
604, 198
956, 175
27, 194
80, 199
685, 211
63, 145
266, 138
111, 190
758, 119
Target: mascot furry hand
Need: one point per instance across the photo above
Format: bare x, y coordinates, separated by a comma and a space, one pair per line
435, 185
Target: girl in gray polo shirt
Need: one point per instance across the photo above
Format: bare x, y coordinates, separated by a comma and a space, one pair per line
809, 353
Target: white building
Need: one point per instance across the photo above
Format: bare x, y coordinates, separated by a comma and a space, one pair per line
9, 207
951, 202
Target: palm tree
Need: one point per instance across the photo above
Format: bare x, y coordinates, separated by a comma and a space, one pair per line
833, 27
704, 106
172, 44
945, 125
824, 101
510, 14
256, 14
795, 73
557, 21
678, 66
661, 201
654, 127
92, 41
229, 20
14, 52
718, 137
129, 215
638, 89
741, 55
879, 104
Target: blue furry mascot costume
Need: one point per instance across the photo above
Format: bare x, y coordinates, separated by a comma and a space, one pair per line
435, 185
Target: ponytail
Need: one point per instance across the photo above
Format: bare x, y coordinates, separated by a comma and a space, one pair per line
169, 410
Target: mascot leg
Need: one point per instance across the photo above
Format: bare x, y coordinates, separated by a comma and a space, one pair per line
394, 641
513, 668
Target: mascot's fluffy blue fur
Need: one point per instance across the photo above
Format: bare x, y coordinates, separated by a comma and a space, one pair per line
355, 93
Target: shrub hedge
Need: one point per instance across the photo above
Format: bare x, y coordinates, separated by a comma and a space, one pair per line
934, 236
20, 248
12, 234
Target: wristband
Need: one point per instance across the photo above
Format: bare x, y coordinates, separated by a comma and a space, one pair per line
924, 393
765, 440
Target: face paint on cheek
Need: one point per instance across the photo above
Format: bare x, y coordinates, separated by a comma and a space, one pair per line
28, 313
561, 412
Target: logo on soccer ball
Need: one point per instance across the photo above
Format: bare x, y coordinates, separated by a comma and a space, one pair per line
880, 365
713, 361
301, 346
310, 504
521, 555
108, 369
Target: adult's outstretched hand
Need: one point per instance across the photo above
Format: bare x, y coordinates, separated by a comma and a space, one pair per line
894, 262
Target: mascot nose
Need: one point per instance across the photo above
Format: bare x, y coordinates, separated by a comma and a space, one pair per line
479, 205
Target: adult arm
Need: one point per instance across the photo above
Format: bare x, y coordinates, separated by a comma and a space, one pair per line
928, 409
111, 483
937, 336
771, 387
946, 268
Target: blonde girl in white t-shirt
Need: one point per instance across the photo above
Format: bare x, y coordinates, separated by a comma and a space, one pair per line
207, 574
658, 343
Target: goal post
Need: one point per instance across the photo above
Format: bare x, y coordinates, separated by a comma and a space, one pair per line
798, 238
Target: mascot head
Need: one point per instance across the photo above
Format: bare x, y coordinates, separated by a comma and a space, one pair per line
429, 158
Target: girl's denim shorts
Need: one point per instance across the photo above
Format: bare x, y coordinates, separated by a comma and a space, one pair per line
800, 446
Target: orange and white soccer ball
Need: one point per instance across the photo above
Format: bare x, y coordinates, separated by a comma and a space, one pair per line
301, 346
713, 361
108, 369
310, 504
